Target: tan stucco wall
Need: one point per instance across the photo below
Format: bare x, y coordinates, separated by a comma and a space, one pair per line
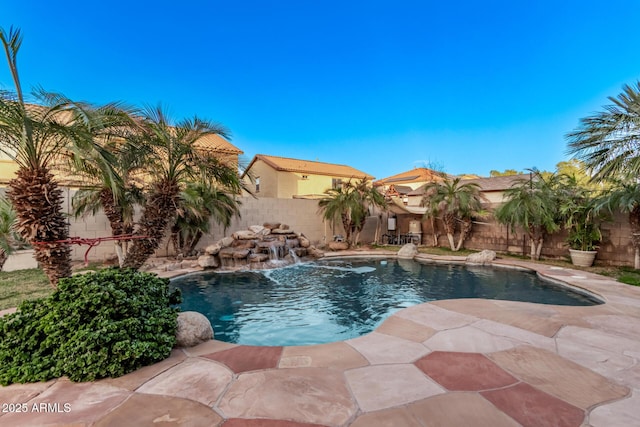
268, 179
314, 184
8, 170
285, 185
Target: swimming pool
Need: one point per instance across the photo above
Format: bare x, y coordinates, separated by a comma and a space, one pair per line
334, 300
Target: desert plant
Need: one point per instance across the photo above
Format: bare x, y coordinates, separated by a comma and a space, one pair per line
36, 136
173, 160
96, 325
350, 204
199, 204
533, 205
455, 202
608, 141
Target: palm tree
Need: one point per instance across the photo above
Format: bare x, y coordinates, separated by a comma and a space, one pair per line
350, 203
7, 234
199, 204
533, 205
37, 136
456, 203
609, 142
173, 160
116, 195
625, 197
369, 198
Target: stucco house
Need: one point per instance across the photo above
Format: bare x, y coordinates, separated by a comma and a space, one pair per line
283, 177
400, 186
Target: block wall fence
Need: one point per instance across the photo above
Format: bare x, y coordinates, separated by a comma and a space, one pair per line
303, 216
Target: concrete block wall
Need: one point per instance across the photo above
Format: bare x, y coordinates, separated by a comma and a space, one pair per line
303, 216
300, 215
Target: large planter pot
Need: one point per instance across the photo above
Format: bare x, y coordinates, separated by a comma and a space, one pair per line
582, 258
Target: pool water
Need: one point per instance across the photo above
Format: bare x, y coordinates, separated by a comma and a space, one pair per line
327, 301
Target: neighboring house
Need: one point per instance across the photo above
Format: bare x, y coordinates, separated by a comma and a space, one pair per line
493, 188
396, 185
284, 178
221, 148
214, 144
403, 189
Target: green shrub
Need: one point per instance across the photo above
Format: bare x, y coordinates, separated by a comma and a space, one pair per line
96, 325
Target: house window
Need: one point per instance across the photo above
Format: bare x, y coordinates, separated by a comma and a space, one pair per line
305, 176
336, 183
257, 184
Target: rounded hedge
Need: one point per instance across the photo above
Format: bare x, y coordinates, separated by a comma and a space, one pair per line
95, 325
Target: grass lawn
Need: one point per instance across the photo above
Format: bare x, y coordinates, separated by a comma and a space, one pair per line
17, 286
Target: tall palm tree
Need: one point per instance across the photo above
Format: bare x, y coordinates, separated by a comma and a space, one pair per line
533, 205
350, 203
609, 142
173, 160
455, 203
37, 136
625, 197
370, 198
116, 195
200, 203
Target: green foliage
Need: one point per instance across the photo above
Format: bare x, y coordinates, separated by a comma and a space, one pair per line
507, 172
607, 141
96, 325
351, 204
577, 203
456, 203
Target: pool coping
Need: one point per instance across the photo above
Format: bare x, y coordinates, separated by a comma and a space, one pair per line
581, 362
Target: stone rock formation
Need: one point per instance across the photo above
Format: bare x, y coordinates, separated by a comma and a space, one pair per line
484, 257
208, 261
193, 329
260, 246
338, 246
408, 251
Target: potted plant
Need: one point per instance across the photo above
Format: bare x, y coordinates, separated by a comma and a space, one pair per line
579, 214
583, 242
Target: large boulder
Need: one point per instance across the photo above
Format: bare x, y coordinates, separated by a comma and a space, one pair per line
484, 257
408, 251
213, 249
244, 235
258, 257
315, 252
226, 252
208, 261
271, 225
193, 329
241, 253
226, 241
257, 229
338, 246
304, 242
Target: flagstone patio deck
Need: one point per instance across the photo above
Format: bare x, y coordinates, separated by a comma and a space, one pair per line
447, 363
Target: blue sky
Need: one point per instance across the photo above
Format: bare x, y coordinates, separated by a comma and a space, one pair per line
382, 86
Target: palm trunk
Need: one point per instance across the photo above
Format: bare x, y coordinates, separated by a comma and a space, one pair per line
436, 236
116, 220
450, 226
159, 212
465, 230
37, 200
191, 246
3, 258
634, 222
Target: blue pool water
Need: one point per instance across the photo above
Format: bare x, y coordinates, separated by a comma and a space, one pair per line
334, 300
